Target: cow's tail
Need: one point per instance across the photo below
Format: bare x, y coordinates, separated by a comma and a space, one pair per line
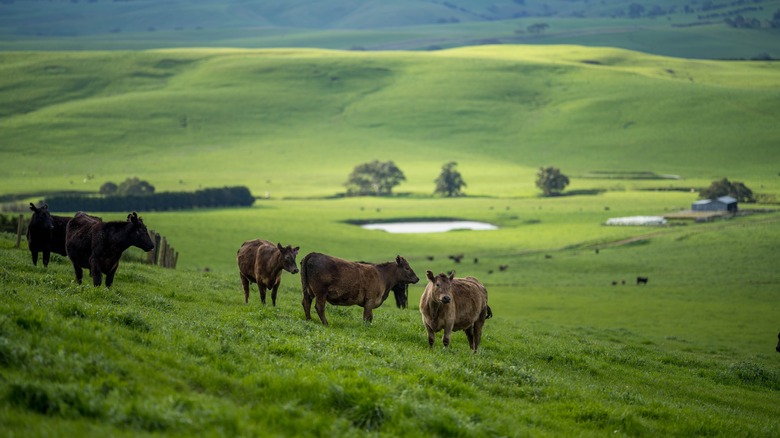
489, 313
304, 276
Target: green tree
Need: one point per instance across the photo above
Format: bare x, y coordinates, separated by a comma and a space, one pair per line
135, 187
551, 181
108, 189
724, 187
450, 181
374, 178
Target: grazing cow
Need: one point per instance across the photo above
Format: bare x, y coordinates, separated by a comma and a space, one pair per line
46, 234
453, 304
503, 268
262, 262
98, 246
641, 280
344, 283
401, 292
778, 343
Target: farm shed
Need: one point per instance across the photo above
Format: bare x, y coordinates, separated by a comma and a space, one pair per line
724, 203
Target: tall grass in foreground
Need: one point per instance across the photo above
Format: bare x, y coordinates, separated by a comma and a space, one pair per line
178, 353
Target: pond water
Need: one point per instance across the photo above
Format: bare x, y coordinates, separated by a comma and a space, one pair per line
430, 227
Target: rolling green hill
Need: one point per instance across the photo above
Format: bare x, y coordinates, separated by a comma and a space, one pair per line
689, 29
295, 122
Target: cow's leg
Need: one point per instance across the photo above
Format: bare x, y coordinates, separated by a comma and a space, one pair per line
470, 335
306, 302
46, 254
110, 277
34, 257
431, 335
97, 277
447, 335
94, 271
368, 314
319, 306
245, 286
79, 273
478, 333
261, 286
273, 293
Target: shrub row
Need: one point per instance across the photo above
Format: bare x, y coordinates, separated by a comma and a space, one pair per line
238, 196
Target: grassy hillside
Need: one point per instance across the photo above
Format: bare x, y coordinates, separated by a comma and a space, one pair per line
690, 29
176, 352
295, 122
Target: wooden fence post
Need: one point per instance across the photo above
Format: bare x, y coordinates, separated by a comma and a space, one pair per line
19, 232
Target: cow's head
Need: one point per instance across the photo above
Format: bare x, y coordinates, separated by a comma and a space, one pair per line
407, 274
139, 235
441, 290
41, 217
288, 258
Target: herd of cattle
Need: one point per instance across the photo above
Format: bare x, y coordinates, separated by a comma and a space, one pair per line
448, 303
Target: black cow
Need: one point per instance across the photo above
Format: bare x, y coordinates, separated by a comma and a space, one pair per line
98, 245
46, 234
641, 280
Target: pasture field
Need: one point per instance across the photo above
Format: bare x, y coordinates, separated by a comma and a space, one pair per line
178, 353
293, 123
567, 353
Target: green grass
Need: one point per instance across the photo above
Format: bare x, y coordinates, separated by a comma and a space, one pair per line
294, 123
177, 352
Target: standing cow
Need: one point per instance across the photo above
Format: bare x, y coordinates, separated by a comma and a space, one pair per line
453, 304
262, 262
344, 283
46, 234
98, 246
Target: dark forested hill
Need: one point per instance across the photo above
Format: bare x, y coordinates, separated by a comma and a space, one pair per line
688, 28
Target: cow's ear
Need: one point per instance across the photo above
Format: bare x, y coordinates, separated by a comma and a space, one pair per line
279, 246
429, 274
398, 260
295, 250
32, 207
452, 274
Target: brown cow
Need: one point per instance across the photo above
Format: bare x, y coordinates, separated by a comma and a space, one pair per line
98, 246
344, 283
262, 262
453, 304
46, 234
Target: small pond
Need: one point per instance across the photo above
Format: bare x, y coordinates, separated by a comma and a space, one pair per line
429, 227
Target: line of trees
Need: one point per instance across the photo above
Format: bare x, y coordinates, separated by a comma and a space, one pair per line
237, 196
377, 178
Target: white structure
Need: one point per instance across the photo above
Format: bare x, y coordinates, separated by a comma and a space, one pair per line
637, 220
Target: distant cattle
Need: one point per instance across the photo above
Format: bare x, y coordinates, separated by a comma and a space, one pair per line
503, 268
456, 257
641, 280
344, 283
260, 261
778, 343
98, 246
453, 304
46, 234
